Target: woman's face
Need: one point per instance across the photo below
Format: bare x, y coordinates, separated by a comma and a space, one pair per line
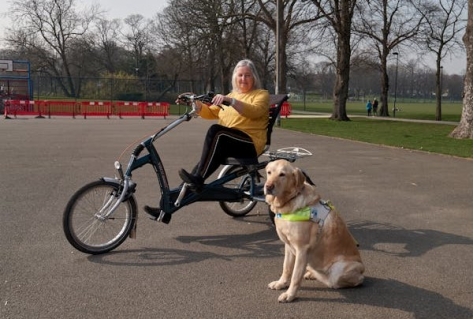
244, 79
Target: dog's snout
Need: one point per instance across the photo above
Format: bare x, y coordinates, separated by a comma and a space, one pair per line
269, 188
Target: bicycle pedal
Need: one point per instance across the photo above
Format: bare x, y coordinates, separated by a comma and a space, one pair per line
164, 217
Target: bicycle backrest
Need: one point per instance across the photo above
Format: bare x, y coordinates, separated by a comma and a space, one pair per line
276, 103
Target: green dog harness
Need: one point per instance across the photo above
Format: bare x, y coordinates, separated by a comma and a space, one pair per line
316, 213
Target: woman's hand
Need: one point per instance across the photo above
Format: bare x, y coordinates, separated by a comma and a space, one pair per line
220, 99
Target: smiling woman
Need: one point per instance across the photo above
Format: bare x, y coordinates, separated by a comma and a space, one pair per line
241, 129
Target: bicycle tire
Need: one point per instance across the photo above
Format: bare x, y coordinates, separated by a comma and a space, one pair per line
243, 207
82, 225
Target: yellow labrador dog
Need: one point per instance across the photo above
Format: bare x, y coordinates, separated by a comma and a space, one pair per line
316, 238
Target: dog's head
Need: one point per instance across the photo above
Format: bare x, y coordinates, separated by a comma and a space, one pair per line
284, 182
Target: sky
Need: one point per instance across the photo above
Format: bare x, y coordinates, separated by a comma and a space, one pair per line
120, 9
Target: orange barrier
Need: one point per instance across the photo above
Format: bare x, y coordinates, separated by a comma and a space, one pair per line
96, 108
59, 108
155, 109
86, 108
19, 107
123, 108
39, 108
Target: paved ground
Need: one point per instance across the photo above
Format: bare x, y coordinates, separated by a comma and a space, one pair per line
410, 211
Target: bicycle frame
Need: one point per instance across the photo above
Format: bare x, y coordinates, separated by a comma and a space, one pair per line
111, 201
213, 191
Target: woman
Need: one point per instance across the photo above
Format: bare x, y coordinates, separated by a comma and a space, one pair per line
241, 129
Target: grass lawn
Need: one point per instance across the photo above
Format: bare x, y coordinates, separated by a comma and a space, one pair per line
417, 136
450, 111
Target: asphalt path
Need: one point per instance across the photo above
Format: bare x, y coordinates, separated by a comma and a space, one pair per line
410, 211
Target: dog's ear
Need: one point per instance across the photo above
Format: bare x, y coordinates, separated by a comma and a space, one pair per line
299, 178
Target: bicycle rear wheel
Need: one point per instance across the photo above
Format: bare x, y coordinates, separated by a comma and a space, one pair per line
84, 222
245, 205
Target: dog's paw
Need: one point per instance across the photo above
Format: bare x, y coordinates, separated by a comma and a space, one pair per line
309, 276
286, 297
277, 285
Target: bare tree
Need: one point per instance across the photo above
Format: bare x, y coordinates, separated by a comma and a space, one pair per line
293, 14
440, 34
137, 40
464, 129
387, 25
49, 28
105, 41
204, 31
339, 15
177, 37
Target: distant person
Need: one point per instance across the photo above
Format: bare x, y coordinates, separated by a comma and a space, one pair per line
368, 106
375, 106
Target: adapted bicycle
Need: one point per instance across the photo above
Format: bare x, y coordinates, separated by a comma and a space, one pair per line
102, 214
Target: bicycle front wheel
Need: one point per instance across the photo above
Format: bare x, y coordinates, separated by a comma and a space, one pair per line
244, 206
84, 222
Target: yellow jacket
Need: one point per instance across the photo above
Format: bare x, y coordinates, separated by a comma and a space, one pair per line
254, 117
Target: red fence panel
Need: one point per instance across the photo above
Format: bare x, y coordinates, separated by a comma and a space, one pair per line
59, 108
155, 109
19, 107
96, 108
124, 108
85, 108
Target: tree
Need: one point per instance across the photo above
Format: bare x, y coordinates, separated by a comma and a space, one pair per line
107, 48
464, 128
292, 15
440, 34
339, 15
205, 32
51, 29
137, 40
387, 25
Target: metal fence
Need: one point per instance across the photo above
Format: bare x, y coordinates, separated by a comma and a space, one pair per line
131, 89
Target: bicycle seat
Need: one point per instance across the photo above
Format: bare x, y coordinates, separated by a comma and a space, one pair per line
276, 102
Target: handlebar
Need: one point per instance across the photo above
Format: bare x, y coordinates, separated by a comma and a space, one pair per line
190, 98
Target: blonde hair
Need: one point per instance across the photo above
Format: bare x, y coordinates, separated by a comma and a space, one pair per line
256, 79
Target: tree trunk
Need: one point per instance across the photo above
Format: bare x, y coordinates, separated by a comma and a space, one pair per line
341, 88
384, 109
341, 85
439, 93
464, 128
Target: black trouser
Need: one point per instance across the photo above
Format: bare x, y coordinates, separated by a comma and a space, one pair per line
220, 143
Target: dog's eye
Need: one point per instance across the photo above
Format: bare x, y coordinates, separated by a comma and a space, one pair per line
282, 175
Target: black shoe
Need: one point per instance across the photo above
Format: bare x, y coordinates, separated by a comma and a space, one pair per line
196, 182
152, 211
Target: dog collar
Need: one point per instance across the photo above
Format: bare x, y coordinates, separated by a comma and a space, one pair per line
315, 213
